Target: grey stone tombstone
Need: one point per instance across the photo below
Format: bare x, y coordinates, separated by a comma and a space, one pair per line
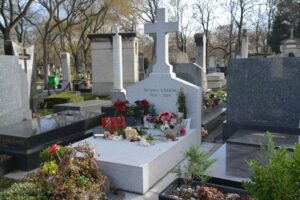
190, 72
14, 98
263, 94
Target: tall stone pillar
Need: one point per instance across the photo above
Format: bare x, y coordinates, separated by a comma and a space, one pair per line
66, 70
118, 92
244, 48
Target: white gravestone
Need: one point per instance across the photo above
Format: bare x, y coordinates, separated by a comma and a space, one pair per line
162, 86
14, 98
118, 92
66, 70
26, 60
136, 168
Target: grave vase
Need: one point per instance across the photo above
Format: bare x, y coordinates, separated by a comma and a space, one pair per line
130, 121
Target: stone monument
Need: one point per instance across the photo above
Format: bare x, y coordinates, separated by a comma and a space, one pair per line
243, 49
162, 86
200, 40
14, 97
26, 60
263, 94
291, 46
118, 92
66, 70
102, 61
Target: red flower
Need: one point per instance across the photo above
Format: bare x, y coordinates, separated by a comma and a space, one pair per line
54, 148
183, 131
144, 103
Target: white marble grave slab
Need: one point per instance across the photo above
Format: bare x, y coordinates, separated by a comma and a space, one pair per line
135, 168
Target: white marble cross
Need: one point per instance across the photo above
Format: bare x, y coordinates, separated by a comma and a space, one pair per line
161, 28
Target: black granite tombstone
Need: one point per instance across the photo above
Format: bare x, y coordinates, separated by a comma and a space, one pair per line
263, 94
24, 140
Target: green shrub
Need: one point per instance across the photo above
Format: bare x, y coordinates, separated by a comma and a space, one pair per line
23, 191
197, 164
68, 95
279, 179
181, 102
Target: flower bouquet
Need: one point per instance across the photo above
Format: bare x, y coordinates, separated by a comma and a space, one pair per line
114, 127
120, 107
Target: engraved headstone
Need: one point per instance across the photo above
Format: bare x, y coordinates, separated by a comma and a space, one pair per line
162, 86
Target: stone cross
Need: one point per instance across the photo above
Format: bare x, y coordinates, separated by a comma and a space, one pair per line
161, 28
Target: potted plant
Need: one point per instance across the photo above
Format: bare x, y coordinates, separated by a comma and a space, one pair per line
192, 183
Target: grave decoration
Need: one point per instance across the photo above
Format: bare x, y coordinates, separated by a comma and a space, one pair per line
170, 124
66, 173
194, 184
214, 98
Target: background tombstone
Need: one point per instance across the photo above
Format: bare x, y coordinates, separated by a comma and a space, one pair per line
141, 67
242, 51
102, 61
190, 72
181, 57
14, 98
162, 86
263, 94
26, 60
200, 41
66, 70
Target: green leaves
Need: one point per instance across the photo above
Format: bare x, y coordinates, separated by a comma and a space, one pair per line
279, 179
197, 164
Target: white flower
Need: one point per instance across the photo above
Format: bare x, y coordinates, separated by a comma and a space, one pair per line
144, 142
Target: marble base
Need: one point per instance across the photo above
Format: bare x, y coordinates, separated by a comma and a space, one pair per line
117, 95
135, 168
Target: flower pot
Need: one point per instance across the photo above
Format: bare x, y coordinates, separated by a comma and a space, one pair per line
130, 121
225, 186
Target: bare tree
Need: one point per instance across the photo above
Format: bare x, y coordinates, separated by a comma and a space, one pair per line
9, 18
92, 20
270, 9
180, 11
205, 11
243, 7
230, 6
46, 27
260, 28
